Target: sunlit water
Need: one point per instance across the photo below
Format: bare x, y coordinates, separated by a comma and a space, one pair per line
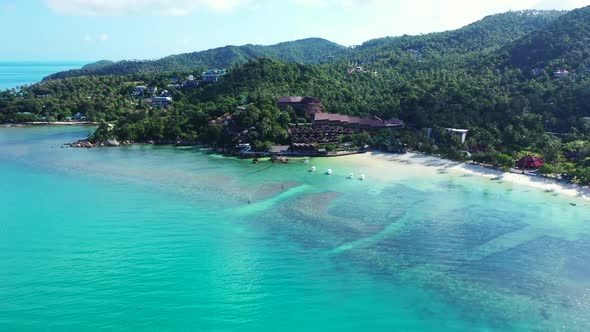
172, 239
18, 73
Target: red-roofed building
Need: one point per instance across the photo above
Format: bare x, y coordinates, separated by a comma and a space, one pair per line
307, 105
529, 162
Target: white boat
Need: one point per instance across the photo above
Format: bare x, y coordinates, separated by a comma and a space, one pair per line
362, 177
312, 169
306, 161
329, 172
351, 175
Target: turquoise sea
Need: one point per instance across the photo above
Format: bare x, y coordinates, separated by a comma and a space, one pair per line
17, 73
148, 238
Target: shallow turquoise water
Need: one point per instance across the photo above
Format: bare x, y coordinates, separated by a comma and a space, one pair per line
163, 239
17, 73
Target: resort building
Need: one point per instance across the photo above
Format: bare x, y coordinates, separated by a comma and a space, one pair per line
355, 70
162, 102
138, 90
560, 73
213, 75
280, 149
324, 134
327, 128
529, 162
462, 133
79, 117
307, 105
243, 148
191, 84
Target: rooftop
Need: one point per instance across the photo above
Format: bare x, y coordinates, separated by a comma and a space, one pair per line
371, 122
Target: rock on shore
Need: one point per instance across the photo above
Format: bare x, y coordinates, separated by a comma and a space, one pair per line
108, 143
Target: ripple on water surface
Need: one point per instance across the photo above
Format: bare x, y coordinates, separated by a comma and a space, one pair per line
158, 238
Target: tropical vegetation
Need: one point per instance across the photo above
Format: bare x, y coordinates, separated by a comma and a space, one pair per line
519, 82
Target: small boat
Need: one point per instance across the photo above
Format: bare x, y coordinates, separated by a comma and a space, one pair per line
306, 161
362, 177
329, 172
312, 169
351, 175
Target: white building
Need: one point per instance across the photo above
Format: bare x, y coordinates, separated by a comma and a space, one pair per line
460, 132
138, 91
560, 73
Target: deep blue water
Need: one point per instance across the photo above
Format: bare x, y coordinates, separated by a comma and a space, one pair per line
17, 73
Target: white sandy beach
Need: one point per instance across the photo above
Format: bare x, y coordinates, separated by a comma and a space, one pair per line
381, 163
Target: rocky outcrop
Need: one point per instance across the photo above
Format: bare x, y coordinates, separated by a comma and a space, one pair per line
84, 143
113, 142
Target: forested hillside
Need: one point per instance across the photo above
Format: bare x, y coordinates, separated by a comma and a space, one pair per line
480, 78
311, 50
490, 33
562, 44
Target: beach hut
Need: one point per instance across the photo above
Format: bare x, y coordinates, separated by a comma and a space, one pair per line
529, 162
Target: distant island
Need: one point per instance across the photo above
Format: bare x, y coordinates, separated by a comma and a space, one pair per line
508, 89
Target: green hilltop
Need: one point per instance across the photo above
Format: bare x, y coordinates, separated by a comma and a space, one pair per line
518, 81
311, 50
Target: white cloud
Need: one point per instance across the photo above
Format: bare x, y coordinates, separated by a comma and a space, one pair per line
88, 37
136, 7
103, 37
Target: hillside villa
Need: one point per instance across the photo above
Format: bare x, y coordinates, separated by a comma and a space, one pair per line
560, 73
213, 75
162, 102
462, 133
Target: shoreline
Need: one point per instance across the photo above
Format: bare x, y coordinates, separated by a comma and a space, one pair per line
46, 123
461, 168
381, 159
532, 181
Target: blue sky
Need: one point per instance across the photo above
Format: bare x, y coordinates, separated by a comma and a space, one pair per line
146, 29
